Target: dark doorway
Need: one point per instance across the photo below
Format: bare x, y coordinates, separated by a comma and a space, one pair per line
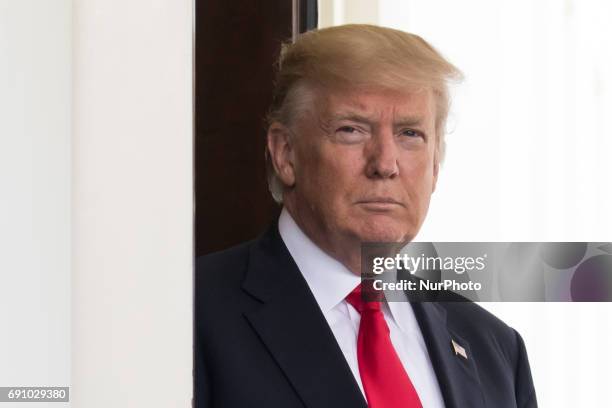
237, 43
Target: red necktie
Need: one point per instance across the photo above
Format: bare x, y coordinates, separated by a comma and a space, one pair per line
384, 379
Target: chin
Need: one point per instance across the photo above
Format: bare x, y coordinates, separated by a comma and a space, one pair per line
383, 232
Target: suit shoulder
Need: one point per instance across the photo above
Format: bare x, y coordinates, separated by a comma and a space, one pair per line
220, 269
495, 343
222, 259
465, 314
484, 328
473, 317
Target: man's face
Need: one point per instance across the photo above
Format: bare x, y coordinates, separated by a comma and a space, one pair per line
363, 163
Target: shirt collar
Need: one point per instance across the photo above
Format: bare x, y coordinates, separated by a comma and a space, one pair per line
329, 280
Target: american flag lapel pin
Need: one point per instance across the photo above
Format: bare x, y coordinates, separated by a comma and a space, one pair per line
459, 351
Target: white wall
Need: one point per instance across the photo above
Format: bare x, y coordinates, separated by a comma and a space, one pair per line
132, 204
35, 102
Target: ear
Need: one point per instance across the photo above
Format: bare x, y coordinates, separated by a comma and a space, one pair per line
281, 152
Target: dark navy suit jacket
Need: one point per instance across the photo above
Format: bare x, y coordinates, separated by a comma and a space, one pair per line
262, 341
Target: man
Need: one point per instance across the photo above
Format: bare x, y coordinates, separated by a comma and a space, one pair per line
355, 141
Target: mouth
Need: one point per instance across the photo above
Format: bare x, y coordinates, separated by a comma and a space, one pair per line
380, 203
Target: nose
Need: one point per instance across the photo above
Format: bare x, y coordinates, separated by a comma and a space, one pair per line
382, 156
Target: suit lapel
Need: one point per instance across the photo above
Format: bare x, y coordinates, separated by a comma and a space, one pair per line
457, 376
293, 328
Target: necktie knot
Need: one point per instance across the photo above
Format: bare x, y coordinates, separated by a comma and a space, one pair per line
369, 302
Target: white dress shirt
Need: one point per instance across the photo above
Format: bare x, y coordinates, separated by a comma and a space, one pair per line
330, 283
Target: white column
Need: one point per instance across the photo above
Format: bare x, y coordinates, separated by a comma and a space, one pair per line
132, 204
35, 59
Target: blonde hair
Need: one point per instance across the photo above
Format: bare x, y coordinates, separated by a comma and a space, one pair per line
357, 56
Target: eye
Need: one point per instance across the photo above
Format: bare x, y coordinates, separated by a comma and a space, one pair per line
347, 129
350, 134
411, 133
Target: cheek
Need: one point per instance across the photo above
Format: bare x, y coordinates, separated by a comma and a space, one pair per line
417, 178
333, 169
317, 178
342, 173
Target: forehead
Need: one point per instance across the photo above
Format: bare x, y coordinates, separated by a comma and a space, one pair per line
377, 103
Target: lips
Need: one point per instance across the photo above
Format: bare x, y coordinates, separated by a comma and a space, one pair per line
380, 201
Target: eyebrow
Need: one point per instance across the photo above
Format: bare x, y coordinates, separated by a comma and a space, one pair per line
358, 117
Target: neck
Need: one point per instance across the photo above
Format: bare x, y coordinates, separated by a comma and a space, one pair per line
345, 251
